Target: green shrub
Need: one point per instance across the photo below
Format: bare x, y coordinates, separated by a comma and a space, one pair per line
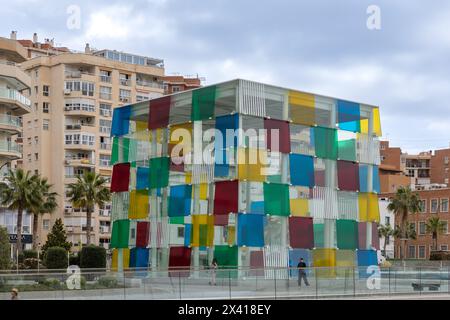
74, 260
56, 258
52, 283
5, 261
107, 282
93, 257
439, 255
31, 263
30, 254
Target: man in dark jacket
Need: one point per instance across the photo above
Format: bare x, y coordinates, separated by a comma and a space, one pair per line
302, 273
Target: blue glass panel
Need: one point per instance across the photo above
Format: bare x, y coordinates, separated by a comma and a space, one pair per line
302, 170
222, 143
187, 235
257, 207
366, 258
363, 182
139, 257
294, 259
349, 116
180, 200
121, 121
142, 178
250, 230
376, 180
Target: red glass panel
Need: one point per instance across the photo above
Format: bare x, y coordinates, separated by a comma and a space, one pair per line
301, 232
226, 197
159, 113
120, 177
348, 175
143, 232
284, 143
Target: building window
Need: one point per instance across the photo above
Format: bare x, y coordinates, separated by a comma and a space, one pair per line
445, 228
382, 158
105, 160
36, 140
421, 252
444, 247
36, 107
176, 89
445, 160
105, 76
46, 91
413, 226
105, 126
434, 206
124, 95
422, 206
45, 224
36, 156
105, 110
444, 205
86, 88
46, 107
124, 79
36, 90
105, 93
36, 123
422, 228
411, 252
387, 220
45, 124
180, 232
29, 157
29, 140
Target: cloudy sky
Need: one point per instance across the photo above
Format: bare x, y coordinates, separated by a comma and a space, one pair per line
322, 46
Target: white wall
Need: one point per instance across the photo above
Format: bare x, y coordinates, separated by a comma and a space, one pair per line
385, 215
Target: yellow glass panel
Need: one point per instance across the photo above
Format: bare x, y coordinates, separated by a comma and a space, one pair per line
302, 108
202, 220
251, 164
364, 123
188, 178
125, 258
373, 214
231, 235
139, 205
141, 126
210, 236
324, 262
377, 122
203, 191
345, 261
362, 204
369, 210
299, 207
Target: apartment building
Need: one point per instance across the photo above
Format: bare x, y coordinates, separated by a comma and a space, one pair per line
392, 168
176, 83
417, 167
14, 104
434, 202
439, 164
68, 131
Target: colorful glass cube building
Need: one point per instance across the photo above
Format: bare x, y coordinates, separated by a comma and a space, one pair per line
299, 178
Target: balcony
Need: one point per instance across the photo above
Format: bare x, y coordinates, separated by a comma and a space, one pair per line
105, 79
14, 97
10, 150
83, 110
79, 161
150, 84
105, 113
105, 96
105, 146
77, 127
104, 229
125, 82
9, 69
10, 123
82, 75
104, 213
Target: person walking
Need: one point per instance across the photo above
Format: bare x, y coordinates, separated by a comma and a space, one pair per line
14, 294
214, 266
302, 273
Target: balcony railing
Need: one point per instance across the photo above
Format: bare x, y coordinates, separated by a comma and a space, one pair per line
80, 160
105, 146
9, 146
150, 84
105, 96
77, 126
106, 79
125, 82
105, 113
14, 95
9, 120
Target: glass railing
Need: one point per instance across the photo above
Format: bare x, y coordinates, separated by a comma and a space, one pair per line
227, 283
9, 120
14, 95
150, 84
9, 146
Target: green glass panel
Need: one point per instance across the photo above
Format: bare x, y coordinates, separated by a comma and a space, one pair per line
226, 256
276, 199
203, 103
115, 151
274, 178
120, 234
347, 234
318, 235
176, 220
347, 150
159, 172
203, 230
326, 143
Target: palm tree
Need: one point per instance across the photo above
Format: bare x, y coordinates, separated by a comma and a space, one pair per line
405, 201
20, 192
88, 191
47, 205
385, 231
435, 227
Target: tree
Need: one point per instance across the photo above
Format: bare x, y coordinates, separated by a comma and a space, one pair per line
87, 192
19, 192
405, 201
46, 205
385, 231
5, 261
57, 237
435, 227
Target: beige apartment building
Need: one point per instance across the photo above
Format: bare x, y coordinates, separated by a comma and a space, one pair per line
68, 131
14, 104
